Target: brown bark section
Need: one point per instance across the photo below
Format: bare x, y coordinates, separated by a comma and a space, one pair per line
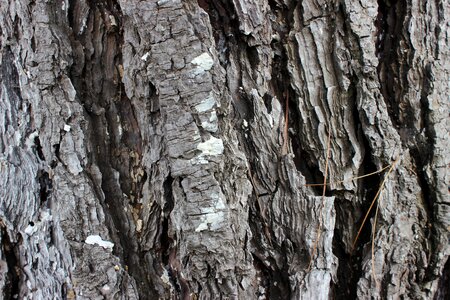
185, 133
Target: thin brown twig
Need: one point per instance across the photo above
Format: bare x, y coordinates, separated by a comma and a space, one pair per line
373, 202
373, 244
286, 126
374, 226
350, 179
319, 227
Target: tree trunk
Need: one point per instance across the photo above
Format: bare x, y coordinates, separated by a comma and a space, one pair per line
164, 149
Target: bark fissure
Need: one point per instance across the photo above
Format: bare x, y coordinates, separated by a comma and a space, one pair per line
166, 240
115, 135
443, 291
390, 49
9, 267
38, 147
349, 269
45, 186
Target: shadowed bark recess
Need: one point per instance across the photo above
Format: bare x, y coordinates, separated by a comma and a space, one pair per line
166, 149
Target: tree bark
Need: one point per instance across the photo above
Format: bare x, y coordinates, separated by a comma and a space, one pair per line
164, 149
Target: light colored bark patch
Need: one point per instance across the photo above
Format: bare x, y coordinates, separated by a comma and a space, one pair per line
97, 240
213, 146
204, 62
206, 104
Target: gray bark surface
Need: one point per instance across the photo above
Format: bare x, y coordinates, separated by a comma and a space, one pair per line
163, 149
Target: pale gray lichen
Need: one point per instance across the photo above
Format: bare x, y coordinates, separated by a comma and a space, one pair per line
204, 62
213, 146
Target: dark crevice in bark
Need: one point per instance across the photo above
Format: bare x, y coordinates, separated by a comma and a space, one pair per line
427, 89
10, 80
423, 146
177, 280
153, 98
268, 102
45, 185
12, 280
307, 166
253, 58
280, 87
244, 106
38, 148
56, 148
392, 60
166, 241
114, 132
224, 24
274, 282
422, 154
280, 82
258, 223
304, 160
263, 274
17, 24
443, 291
64, 291
349, 268
371, 185
229, 39
420, 161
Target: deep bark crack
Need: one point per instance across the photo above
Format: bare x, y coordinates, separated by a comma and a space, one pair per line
13, 275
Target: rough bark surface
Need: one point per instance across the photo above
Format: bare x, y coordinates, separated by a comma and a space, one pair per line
162, 149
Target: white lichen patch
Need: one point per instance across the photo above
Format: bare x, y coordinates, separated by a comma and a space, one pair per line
199, 160
213, 146
204, 62
66, 128
214, 215
97, 240
30, 140
83, 25
165, 277
206, 104
145, 56
162, 2
113, 21
73, 163
30, 229
220, 204
106, 289
211, 127
211, 221
201, 227
119, 126
211, 124
213, 117
276, 109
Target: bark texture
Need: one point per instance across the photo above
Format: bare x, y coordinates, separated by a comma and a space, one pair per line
161, 149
